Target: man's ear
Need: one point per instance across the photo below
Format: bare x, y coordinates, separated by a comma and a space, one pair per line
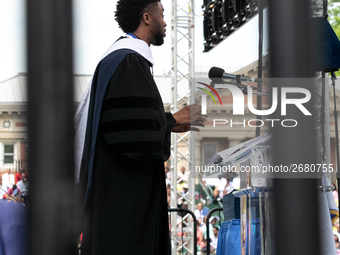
146, 18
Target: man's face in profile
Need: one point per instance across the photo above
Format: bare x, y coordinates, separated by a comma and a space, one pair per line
158, 25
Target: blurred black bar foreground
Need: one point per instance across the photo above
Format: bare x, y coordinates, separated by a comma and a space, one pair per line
50, 94
295, 200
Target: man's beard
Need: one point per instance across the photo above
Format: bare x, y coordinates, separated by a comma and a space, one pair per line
159, 39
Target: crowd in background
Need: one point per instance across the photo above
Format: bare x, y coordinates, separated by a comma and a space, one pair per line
14, 187
220, 186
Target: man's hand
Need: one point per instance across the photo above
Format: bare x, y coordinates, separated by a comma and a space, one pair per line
187, 118
184, 128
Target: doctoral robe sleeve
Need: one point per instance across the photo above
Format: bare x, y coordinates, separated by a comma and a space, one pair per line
133, 122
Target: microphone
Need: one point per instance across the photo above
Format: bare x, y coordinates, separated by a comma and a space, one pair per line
218, 73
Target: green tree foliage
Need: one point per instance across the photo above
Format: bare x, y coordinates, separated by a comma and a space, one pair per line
334, 15
334, 18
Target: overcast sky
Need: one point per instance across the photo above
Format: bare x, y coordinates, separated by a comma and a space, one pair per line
95, 29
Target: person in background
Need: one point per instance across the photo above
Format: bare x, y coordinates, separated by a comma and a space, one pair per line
184, 206
335, 194
337, 229
204, 227
167, 182
199, 235
212, 224
180, 186
219, 188
182, 200
13, 193
2, 190
229, 187
168, 190
8, 179
182, 174
199, 214
185, 188
18, 175
167, 173
23, 184
204, 248
337, 243
214, 237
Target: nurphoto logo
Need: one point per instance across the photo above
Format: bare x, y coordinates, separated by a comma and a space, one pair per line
238, 104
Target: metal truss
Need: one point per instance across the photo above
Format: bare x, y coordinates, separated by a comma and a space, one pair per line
183, 69
321, 92
321, 95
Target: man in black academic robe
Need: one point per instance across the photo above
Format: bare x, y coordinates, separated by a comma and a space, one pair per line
127, 141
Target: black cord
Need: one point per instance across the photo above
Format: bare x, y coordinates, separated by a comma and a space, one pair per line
259, 74
266, 84
260, 7
257, 89
182, 237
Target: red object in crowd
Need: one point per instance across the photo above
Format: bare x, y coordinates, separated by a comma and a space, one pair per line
17, 177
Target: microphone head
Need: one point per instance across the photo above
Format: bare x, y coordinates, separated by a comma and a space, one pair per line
215, 73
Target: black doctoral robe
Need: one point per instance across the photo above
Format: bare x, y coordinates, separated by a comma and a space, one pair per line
127, 210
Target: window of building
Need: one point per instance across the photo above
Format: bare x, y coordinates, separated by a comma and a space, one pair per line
210, 146
8, 154
209, 150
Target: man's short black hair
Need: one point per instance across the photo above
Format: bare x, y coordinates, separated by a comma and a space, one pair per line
129, 13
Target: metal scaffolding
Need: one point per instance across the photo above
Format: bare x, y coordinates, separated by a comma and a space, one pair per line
183, 69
